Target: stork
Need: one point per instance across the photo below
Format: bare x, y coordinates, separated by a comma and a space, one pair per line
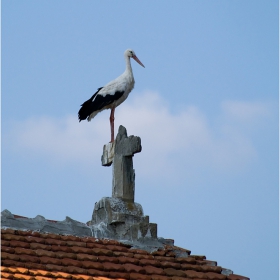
111, 95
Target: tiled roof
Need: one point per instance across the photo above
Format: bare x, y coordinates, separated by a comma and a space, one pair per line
43, 256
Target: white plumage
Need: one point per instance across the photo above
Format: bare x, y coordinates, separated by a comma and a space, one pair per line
111, 95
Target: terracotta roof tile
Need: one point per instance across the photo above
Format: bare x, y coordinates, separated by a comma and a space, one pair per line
215, 276
133, 268
10, 236
31, 265
70, 238
49, 241
159, 253
7, 231
34, 239
162, 259
41, 278
84, 239
94, 265
64, 255
94, 245
76, 243
95, 272
39, 272
38, 256
113, 267
23, 276
108, 259
75, 269
237, 277
50, 236
27, 258
22, 270
188, 260
140, 256
118, 275
48, 260
70, 262
161, 277
56, 248
171, 265
21, 251
6, 275
54, 267
174, 272
137, 276
138, 251
82, 277
116, 248
35, 246
200, 258
123, 254
41, 252
8, 256
207, 262
102, 252
20, 244
60, 274
152, 262
4, 269
7, 249
124, 260
77, 249
86, 257
206, 268
154, 270
5, 243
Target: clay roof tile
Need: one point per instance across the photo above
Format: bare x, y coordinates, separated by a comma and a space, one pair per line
43, 256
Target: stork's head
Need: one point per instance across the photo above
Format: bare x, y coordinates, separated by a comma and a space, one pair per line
131, 53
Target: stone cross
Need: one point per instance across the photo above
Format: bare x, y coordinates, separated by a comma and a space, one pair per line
120, 153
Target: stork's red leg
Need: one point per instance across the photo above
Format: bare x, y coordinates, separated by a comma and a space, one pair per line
112, 118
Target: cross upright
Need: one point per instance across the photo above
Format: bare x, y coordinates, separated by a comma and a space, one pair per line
120, 153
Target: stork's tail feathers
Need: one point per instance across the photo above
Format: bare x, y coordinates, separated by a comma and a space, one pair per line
86, 109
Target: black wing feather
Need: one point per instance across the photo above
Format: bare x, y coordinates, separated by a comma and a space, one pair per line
97, 102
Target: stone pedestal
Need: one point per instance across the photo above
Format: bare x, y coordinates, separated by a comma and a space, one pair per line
118, 219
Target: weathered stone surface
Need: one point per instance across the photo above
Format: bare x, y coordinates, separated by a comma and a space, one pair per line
39, 223
108, 154
123, 172
113, 211
122, 220
120, 153
119, 217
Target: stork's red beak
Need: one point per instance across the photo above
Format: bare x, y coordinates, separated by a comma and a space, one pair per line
136, 59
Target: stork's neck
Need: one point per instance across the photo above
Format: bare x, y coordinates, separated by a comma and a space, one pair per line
128, 68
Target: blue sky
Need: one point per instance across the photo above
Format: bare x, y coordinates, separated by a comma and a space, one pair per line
205, 107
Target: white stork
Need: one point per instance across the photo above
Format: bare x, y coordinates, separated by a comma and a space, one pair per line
111, 95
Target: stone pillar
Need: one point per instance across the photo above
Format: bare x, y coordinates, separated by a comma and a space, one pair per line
119, 217
120, 153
